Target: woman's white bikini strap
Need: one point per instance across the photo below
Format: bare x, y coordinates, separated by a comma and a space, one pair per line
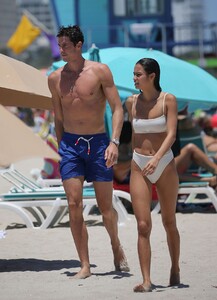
164, 101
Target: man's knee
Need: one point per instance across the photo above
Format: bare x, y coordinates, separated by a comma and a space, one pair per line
108, 213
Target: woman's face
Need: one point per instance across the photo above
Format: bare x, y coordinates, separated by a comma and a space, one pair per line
140, 77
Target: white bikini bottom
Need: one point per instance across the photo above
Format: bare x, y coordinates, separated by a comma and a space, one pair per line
141, 160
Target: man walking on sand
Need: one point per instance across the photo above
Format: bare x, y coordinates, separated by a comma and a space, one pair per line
79, 93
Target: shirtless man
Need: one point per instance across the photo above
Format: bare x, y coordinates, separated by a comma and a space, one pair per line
79, 93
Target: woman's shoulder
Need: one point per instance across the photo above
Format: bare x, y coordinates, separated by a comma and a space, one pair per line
169, 96
131, 98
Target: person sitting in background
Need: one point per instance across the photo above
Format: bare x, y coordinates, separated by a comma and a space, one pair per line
26, 115
204, 126
122, 168
189, 154
45, 129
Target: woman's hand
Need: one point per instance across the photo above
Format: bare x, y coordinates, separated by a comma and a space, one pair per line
150, 167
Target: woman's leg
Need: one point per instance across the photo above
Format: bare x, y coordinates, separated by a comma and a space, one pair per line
141, 194
167, 187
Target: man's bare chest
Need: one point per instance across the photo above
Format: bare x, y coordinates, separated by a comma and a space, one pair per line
84, 86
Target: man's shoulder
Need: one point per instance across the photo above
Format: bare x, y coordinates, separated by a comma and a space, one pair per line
96, 64
55, 74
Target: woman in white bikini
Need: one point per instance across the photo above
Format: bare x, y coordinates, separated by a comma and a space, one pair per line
154, 120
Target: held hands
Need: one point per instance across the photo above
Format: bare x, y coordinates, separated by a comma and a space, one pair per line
150, 167
111, 155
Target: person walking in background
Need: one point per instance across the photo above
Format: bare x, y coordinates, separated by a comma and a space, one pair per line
154, 121
79, 93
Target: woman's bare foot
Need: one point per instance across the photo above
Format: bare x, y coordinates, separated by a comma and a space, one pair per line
141, 288
174, 279
83, 273
120, 260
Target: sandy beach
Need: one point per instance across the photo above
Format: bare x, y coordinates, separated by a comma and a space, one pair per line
39, 264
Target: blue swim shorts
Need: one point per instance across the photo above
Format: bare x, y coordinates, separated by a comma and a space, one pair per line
83, 155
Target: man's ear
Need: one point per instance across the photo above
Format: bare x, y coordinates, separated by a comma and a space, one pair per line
79, 44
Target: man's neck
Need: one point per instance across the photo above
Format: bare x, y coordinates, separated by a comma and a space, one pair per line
76, 65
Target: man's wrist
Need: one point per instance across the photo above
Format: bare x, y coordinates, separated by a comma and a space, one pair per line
115, 141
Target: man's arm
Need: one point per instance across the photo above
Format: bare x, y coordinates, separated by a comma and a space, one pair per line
58, 115
114, 101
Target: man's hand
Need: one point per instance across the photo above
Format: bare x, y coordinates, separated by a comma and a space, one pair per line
111, 155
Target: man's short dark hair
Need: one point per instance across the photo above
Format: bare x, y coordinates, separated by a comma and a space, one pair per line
74, 33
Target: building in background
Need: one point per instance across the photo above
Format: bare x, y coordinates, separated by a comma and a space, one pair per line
173, 26
8, 21
110, 23
40, 9
177, 27
195, 26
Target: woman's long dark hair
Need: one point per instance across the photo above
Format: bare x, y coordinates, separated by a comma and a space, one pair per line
150, 65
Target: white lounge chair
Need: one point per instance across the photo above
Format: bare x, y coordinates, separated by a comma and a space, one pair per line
28, 200
192, 190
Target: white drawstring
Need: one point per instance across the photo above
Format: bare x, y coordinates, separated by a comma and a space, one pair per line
88, 142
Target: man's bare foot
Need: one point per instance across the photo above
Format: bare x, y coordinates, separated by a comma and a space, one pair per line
120, 260
142, 289
174, 279
82, 274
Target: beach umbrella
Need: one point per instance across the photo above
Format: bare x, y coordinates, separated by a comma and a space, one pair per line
191, 85
23, 85
19, 142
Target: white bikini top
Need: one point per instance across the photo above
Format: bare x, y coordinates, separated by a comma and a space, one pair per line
155, 125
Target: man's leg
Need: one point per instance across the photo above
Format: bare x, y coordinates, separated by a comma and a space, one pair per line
104, 192
73, 188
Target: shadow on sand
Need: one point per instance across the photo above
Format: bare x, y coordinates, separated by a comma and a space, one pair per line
36, 265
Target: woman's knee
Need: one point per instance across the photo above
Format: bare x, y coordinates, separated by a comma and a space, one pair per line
169, 223
144, 228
